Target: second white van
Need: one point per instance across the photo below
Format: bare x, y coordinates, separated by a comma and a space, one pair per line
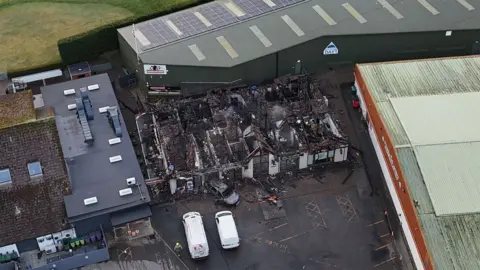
195, 233
227, 230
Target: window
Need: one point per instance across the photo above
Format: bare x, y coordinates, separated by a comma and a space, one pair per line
5, 177
35, 169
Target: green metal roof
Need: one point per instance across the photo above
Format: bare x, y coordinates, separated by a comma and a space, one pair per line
453, 240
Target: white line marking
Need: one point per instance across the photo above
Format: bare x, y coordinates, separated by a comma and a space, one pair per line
226, 45
428, 6
466, 4
324, 15
270, 3
391, 9
293, 25
196, 51
174, 27
354, 13
140, 37
203, 19
235, 9
261, 36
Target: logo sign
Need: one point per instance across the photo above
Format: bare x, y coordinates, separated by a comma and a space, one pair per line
155, 69
330, 49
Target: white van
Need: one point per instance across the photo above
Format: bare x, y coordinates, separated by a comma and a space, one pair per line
227, 230
195, 233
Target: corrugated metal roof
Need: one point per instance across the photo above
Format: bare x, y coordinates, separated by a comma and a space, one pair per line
451, 172
316, 18
452, 240
444, 118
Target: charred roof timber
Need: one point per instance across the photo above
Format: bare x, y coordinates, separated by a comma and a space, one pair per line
228, 127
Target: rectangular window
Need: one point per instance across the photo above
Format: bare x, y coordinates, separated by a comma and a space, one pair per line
35, 169
5, 177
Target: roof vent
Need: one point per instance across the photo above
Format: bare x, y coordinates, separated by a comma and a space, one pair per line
126, 191
82, 118
103, 109
93, 87
114, 141
90, 201
115, 159
69, 92
72, 106
87, 104
114, 120
131, 181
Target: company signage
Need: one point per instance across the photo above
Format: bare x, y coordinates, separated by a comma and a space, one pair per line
330, 49
390, 159
155, 69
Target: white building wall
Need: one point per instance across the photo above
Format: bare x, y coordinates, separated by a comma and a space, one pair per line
340, 154
303, 161
272, 169
391, 188
248, 173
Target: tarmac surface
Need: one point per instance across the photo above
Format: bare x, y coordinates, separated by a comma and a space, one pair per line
326, 222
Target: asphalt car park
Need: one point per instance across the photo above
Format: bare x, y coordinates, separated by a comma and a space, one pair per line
326, 225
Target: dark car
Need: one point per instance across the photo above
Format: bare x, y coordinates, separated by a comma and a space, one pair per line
223, 193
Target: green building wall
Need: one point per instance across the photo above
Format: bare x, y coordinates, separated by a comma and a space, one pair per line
352, 49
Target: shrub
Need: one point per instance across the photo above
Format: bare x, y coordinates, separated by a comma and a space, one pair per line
91, 44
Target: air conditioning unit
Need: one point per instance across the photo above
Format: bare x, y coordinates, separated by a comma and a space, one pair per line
103, 109
69, 92
124, 192
115, 159
90, 201
72, 106
131, 181
93, 87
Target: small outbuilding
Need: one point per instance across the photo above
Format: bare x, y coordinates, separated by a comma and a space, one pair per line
79, 70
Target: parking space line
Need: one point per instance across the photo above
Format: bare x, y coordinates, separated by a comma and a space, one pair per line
355, 14
375, 223
391, 9
466, 4
385, 235
279, 226
294, 236
428, 6
382, 247
384, 262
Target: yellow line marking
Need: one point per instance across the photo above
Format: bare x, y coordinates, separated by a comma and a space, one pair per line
375, 223
385, 235
428, 6
294, 236
279, 226
382, 247
354, 13
466, 4
384, 262
324, 15
391, 9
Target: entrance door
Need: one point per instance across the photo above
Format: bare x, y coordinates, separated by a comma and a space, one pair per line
476, 47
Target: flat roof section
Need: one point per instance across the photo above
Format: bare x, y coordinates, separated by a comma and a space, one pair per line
314, 18
441, 170
99, 170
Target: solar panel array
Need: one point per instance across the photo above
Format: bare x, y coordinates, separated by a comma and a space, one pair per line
217, 15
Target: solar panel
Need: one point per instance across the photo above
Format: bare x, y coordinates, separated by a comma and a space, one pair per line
206, 17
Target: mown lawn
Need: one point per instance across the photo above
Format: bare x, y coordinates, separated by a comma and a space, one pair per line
30, 29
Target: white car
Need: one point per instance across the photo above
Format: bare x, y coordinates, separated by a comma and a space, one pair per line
227, 230
195, 233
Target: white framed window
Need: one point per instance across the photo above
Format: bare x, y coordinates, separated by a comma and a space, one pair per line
5, 177
35, 169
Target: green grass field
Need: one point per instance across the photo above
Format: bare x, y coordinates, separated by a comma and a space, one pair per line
29, 30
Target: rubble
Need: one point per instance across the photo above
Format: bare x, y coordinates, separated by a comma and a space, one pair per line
238, 133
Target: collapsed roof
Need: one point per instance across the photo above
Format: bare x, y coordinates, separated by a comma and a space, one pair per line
226, 128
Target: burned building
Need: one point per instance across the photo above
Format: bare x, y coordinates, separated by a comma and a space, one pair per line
241, 133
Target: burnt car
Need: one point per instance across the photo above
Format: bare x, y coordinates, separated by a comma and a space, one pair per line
224, 193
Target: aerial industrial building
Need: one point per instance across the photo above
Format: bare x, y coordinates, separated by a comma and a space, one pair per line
249, 41
422, 117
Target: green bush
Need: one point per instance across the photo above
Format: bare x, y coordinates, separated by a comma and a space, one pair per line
91, 44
